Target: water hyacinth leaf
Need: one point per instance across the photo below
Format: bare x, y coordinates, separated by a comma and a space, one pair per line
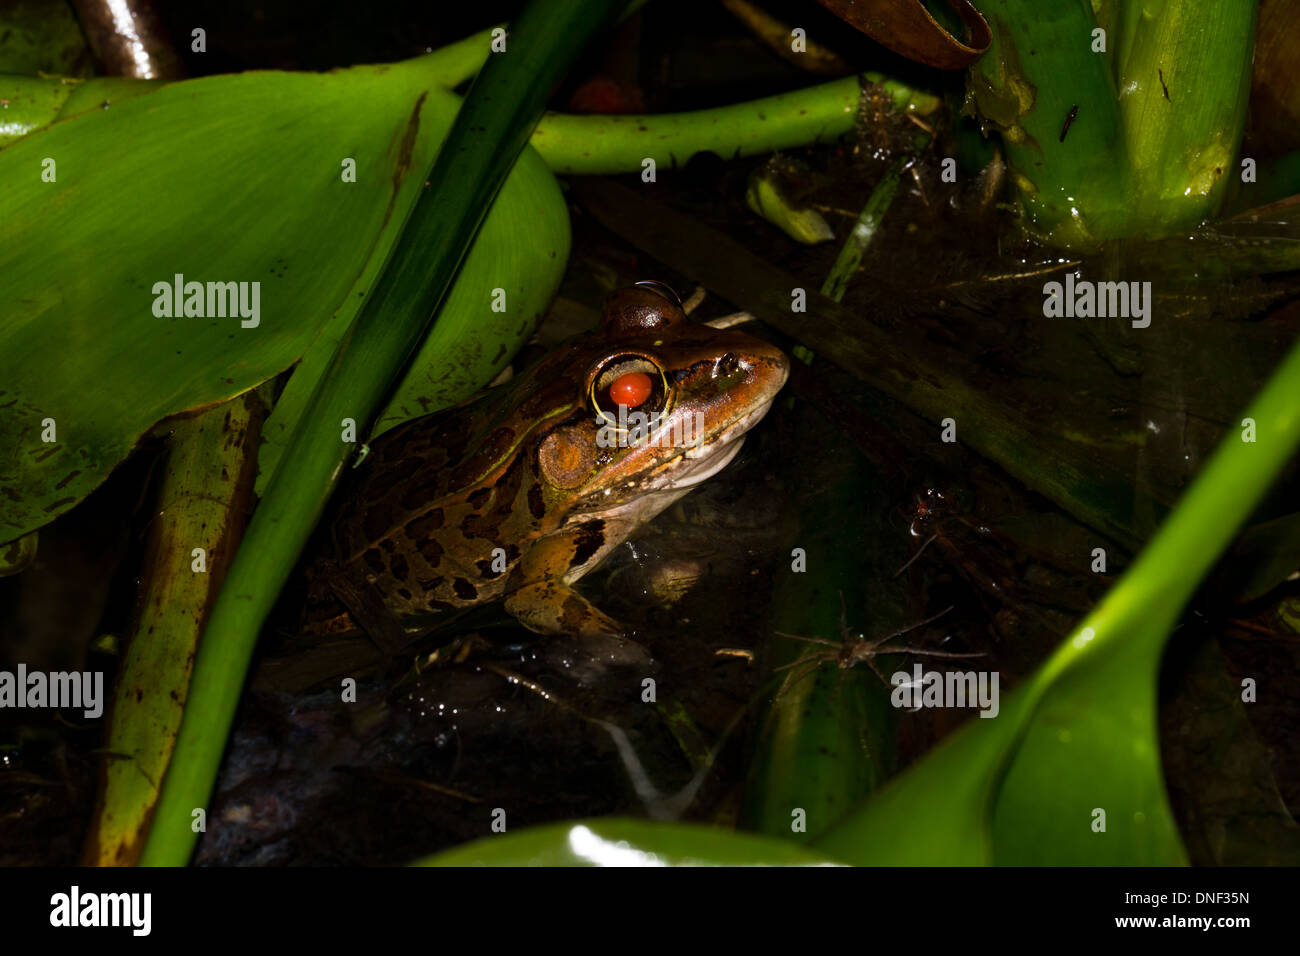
1183, 89
1058, 117
36, 102
257, 159
620, 842
30, 103
1128, 128
1086, 787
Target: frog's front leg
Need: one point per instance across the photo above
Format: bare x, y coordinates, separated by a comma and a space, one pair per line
538, 593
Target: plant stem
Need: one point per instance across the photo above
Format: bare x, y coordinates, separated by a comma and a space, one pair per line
1182, 95
1038, 73
491, 130
207, 485
864, 231
602, 145
1133, 139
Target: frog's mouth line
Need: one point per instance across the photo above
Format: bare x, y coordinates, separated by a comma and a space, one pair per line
713, 454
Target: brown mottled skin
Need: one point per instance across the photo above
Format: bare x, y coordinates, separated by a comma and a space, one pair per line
519, 468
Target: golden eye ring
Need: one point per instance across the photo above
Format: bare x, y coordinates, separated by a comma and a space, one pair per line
610, 371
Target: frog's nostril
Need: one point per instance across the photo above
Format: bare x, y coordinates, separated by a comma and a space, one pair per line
725, 366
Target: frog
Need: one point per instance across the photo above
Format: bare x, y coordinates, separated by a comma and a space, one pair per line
517, 493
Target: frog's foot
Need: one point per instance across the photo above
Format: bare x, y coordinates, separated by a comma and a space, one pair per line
552, 607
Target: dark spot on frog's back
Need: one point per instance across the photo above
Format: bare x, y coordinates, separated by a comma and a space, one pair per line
572, 613
423, 526
464, 589
590, 537
485, 569
478, 498
431, 551
508, 486
536, 503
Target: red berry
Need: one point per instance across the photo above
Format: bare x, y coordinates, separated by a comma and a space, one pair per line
631, 389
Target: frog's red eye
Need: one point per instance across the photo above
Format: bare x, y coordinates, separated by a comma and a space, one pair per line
626, 383
631, 389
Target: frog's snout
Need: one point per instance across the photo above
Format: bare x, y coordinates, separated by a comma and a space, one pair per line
769, 368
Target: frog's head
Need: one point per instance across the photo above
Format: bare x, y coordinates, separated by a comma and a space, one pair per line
665, 402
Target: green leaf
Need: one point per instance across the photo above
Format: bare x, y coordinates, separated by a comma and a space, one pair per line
199, 507
1183, 89
623, 842
229, 178
1128, 132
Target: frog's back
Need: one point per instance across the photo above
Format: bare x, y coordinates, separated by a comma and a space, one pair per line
437, 497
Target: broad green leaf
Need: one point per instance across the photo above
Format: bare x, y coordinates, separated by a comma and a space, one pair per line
36, 102
624, 842
229, 178
1183, 88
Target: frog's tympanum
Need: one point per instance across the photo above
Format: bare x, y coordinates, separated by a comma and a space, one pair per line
521, 491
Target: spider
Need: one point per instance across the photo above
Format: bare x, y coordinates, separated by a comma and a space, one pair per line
854, 649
